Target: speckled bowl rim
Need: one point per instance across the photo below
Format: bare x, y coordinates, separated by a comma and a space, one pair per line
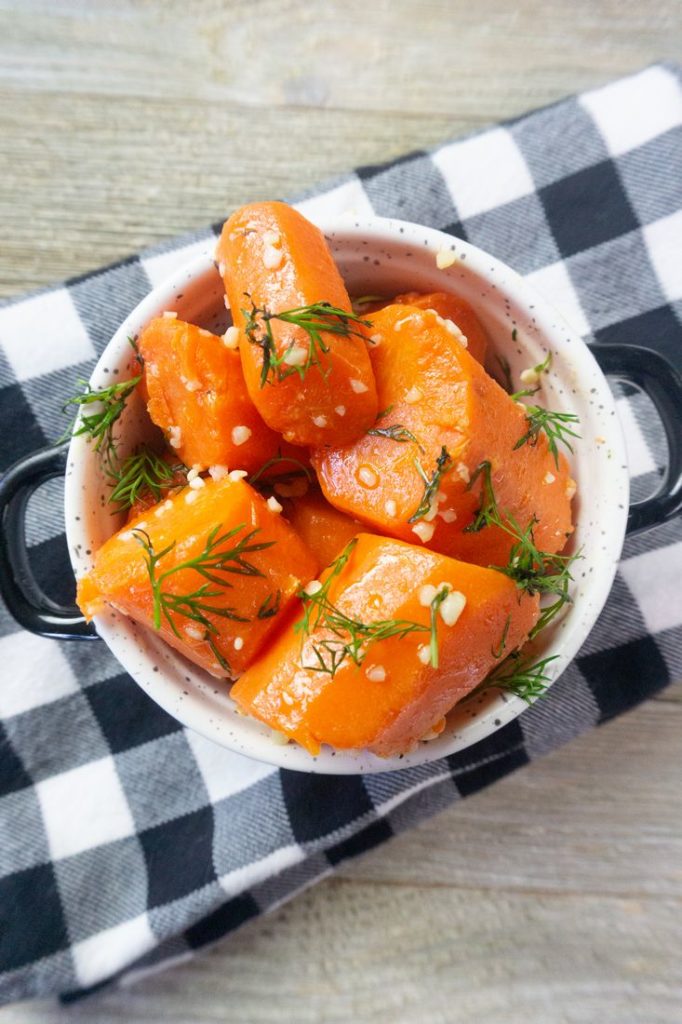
197, 701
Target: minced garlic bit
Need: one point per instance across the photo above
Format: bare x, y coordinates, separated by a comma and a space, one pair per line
445, 258
376, 339
240, 435
454, 330
274, 505
238, 643
170, 315
193, 473
452, 607
434, 506
272, 238
287, 698
375, 673
398, 325
195, 632
448, 515
358, 386
191, 496
127, 534
271, 257
191, 385
313, 587
297, 355
197, 483
549, 478
237, 474
391, 508
340, 410
462, 471
204, 333
414, 395
320, 421
571, 488
424, 654
427, 594
175, 437
367, 476
218, 472
222, 268
424, 531
529, 376
231, 337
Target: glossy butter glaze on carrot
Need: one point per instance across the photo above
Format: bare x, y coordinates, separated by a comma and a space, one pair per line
395, 697
250, 598
195, 392
458, 311
272, 258
323, 529
432, 388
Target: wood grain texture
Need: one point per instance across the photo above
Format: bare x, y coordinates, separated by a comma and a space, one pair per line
555, 896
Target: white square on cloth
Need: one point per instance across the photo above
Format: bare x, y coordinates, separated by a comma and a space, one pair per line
654, 577
554, 284
484, 172
636, 109
48, 678
84, 807
105, 953
224, 772
664, 245
31, 351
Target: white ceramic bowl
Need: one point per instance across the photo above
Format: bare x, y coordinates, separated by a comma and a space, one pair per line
385, 257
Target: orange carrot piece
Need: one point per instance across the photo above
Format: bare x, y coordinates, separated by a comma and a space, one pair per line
395, 697
323, 529
435, 390
450, 307
256, 594
275, 259
196, 393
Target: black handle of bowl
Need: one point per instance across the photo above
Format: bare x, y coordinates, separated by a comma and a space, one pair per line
32, 609
662, 382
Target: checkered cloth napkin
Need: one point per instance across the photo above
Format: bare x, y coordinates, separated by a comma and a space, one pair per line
127, 840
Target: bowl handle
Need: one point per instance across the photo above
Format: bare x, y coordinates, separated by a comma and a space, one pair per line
662, 382
25, 601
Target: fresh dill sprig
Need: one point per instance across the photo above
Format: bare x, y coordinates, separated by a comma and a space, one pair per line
396, 432
136, 349
534, 571
519, 676
554, 425
365, 300
431, 483
384, 412
98, 424
144, 471
270, 606
315, 320
498, 651
506, 372
351, 638
302, 469
212, 563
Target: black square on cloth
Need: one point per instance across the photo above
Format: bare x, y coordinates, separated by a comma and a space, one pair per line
658, 329
52, 569
126, 715
14, 444
366, 839
318, 805
487, 761
223, 920
35, 892
13, 775
625, 675
179, 856
587, 208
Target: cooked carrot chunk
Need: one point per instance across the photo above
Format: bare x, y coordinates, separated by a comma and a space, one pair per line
414, 475
225, 568
196, 393
322, 528
303, 686
450, 307
314, 388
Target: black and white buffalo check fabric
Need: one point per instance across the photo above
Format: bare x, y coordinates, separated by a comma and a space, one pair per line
127, 841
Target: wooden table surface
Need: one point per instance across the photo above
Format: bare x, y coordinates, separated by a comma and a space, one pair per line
556, 896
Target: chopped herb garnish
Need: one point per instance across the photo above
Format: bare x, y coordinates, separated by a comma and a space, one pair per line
301, 470
396, 432
212, 563
554, 425
498, 651
518, 676
384, 412
315, 320
487, 511
98, 425
270, 606
138, 355
431, 483
351, 638
366, 300
144, 472
506, 371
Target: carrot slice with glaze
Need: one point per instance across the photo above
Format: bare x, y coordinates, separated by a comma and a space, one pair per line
451, 307
196, 393
395, 697
445, 417
322, 528
261, 565
273, 259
